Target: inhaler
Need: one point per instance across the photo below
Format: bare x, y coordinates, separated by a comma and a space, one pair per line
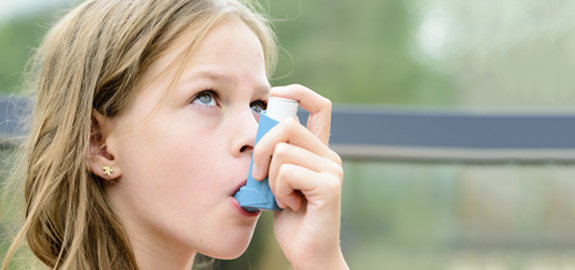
256, 195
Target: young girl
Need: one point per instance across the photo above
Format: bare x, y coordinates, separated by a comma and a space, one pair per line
143, 130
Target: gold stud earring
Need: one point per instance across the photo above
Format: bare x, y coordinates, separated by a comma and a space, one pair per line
107, 170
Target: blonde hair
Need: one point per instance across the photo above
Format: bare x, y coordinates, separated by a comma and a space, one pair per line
91, 61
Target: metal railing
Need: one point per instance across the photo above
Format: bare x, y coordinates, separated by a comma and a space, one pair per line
412, 135
452, 136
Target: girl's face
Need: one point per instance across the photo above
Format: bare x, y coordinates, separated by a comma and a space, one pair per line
183, 153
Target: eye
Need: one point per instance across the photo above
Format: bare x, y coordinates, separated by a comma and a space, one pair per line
258, 106
206, 98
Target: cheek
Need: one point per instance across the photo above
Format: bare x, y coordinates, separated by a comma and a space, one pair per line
192, 167
171, 161
187, 165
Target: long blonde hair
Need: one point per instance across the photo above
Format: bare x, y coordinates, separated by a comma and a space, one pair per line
91, 60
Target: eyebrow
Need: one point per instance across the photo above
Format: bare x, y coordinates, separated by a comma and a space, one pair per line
224, 79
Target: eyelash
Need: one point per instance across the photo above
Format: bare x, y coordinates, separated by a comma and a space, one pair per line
212, 92
216, 96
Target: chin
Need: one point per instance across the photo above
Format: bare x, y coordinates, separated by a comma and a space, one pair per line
230, 248
228, 253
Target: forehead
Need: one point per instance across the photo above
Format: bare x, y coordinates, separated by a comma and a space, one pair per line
229, 43
233, 44
228, 52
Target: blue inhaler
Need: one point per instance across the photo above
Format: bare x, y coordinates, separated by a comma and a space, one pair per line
256, 195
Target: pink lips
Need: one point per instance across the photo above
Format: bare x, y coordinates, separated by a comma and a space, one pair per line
242, 211
243, 183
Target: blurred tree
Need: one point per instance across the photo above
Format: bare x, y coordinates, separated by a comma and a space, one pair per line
349, 52
18, 38
356, 52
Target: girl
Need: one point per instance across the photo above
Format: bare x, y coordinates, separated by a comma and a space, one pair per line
143, 131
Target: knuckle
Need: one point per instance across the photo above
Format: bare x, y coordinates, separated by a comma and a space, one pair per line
326, 103
333, 185
281, 172
338, 171
290, 126
289, 122
284, 172
281, 149
337, 159
297, 85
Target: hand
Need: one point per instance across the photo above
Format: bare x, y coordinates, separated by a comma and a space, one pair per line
306, 178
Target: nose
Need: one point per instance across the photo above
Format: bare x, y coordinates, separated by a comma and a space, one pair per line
244, 131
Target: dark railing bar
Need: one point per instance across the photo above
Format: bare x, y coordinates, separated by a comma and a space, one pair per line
411, 134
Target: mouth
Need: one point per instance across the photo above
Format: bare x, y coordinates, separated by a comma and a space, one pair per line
238, 187
236, 203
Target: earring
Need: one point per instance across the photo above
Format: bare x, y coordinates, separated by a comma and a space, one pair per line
107, 170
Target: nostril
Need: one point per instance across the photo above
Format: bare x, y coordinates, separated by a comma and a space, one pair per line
245, 147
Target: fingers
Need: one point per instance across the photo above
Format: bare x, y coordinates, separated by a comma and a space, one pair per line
303, 168
319, 108
288, 131
292, 164
295, 185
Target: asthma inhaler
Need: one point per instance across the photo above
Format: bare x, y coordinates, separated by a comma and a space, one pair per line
257, 195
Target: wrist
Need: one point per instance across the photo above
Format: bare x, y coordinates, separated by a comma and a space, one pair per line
339, 263
335, 262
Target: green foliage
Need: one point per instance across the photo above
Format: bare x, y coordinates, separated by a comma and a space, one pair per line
355, 53
348, 52
18, 39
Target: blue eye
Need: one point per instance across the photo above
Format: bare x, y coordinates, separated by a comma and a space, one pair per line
258, 106
206, 98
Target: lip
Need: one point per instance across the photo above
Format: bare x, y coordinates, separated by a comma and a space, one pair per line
240, 185
237, 206
242, 211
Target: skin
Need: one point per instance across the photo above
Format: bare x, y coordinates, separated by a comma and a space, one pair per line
179, 157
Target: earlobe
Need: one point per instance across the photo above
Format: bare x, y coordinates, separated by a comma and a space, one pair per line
100, 161
101, 165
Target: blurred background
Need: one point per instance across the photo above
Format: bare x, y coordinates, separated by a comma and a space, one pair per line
447, 55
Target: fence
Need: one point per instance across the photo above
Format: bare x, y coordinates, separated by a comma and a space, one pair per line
414, 135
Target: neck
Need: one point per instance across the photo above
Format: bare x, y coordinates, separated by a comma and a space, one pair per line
152, 254
152, 249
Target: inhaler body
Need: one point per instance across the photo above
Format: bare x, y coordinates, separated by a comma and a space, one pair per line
256, 195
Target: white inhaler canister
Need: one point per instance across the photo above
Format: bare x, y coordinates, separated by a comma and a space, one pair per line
256, 195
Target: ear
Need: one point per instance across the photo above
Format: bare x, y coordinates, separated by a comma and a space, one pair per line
101, 161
